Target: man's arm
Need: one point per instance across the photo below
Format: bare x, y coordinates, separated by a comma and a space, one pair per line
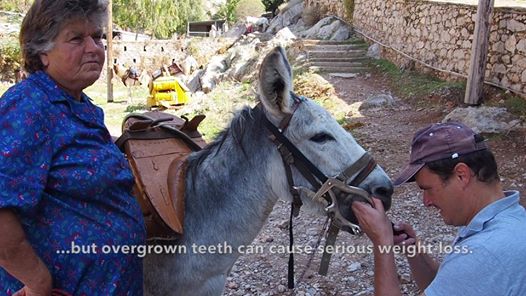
19, 259
385, 274
375, 224
423, 268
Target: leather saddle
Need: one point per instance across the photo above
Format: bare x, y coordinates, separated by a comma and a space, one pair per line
157, 145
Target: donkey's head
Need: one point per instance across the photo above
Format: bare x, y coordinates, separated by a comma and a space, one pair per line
329, 148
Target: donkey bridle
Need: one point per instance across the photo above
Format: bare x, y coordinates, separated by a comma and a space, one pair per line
327, 188
323, 185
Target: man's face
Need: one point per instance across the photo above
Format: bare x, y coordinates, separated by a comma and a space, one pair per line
77, 57
445, 196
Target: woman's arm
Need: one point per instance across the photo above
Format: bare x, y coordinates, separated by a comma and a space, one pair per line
19, 259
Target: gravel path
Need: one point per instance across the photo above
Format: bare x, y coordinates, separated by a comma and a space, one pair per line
387, 134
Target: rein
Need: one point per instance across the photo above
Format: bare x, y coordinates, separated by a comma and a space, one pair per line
327, 188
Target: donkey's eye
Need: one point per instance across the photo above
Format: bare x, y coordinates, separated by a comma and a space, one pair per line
321, 138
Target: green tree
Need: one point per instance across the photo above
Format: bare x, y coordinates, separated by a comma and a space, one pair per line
227, 11
160, 18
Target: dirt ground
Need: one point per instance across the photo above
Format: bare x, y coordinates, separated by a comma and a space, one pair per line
386, 133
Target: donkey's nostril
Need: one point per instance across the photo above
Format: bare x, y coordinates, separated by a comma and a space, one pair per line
383, 191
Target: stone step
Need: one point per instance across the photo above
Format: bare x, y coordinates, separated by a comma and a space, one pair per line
340, 69
332, 65
339, 59
314, 54
344, 75
329, 56
336, 47
330, 42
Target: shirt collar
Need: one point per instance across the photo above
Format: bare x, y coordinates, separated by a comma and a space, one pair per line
488, 213
83, 109
58, 94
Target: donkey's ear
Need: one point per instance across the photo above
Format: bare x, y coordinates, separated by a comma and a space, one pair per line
275, 84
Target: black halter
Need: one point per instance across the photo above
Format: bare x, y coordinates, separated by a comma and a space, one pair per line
323, 185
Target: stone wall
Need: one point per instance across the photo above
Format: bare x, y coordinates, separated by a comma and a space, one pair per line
330, 7
440, 35
149, 54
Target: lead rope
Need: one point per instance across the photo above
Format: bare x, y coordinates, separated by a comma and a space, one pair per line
318, 242
295, 206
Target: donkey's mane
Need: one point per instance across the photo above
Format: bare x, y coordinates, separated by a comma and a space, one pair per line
245, 122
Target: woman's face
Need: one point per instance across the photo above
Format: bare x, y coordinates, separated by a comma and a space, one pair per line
77, 57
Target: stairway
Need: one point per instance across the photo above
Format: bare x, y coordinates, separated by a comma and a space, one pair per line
341, 57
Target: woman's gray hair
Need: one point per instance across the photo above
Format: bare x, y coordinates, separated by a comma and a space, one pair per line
44, 21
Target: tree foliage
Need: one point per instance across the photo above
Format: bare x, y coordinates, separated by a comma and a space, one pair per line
160, 18
15, 5
227, 11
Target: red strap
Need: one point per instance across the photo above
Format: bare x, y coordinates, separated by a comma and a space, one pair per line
58, 292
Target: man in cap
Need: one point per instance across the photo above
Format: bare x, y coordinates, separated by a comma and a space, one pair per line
458, 175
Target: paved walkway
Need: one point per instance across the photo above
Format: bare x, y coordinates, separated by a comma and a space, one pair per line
498, 3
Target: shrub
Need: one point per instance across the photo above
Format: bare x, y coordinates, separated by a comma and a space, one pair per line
15, 5
272, 5
249, 8
516, 105
10, 58
349, 9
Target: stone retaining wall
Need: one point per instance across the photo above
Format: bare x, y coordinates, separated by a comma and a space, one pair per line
331, 7
440, 35
148, 54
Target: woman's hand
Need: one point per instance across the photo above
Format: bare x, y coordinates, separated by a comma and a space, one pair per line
40, 283
26, 291
19, 259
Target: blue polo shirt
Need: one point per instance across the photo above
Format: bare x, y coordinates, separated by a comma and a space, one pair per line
495, 263
70, 187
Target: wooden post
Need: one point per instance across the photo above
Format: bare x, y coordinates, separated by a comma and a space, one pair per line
109, 52
479, 53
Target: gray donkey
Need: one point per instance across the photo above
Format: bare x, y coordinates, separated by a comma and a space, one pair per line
233, 184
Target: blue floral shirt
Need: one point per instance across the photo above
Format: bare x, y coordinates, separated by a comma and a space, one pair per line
70, 187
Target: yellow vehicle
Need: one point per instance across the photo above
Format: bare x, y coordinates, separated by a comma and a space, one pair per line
167, 91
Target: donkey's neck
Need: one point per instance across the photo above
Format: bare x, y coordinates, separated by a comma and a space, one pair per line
233, 185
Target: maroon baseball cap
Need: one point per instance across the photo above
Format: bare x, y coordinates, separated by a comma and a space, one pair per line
439, 141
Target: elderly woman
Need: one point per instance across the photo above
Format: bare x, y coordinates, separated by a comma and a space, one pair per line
66, 208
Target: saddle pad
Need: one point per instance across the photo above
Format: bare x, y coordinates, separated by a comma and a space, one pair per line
157, 145
150, 161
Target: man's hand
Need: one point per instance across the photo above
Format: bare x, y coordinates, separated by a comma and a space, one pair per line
406, 236
374, 222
